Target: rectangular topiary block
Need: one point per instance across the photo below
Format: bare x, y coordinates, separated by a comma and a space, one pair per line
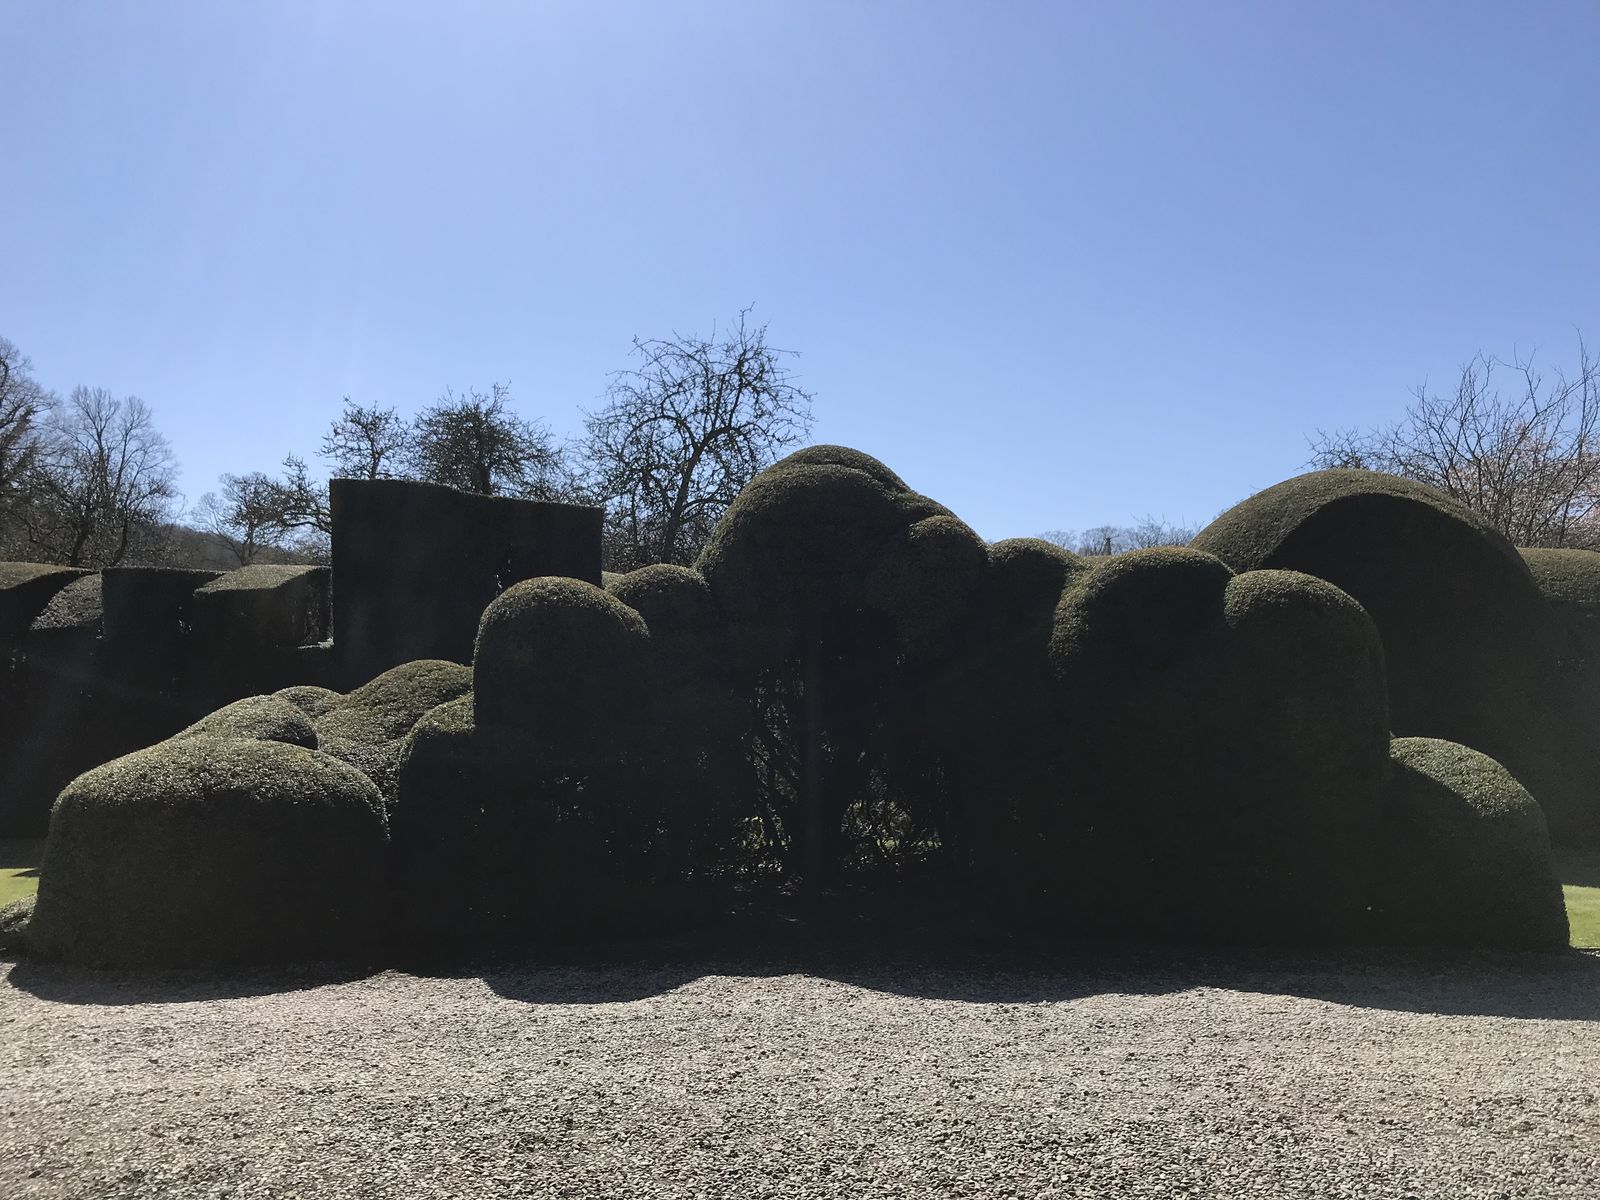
25, 589
415, 565
262, 609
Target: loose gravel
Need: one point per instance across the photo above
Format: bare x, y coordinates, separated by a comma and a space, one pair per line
1370, 1076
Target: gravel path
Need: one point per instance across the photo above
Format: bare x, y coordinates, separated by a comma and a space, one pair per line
1377, 1076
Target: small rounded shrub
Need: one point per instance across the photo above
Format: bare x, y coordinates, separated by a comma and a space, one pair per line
211, 850
1466, 852
367, 728
260, 718
1472, 648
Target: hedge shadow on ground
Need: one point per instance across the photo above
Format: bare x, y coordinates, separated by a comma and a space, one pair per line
63, 983
1504, 984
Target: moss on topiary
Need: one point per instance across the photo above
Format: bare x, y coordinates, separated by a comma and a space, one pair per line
1472, 647
367, 728
210, 850
564, 662
76, 607
1467, 853
309, 698
842, 456
259, 718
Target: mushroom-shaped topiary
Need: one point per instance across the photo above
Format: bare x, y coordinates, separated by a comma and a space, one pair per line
1472, 647
209, 850
368, 727
1467, 853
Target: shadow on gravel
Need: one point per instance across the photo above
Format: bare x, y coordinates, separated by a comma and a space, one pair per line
944, 963
64, 984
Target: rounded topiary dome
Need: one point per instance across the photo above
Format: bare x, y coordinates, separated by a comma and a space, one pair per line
802, 541
1471, 645
367, 728
206, 849
677, 606
561, 660
262, 718
1220, 753
1467, 853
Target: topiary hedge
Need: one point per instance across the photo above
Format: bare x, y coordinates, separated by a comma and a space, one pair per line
212, 850
1471, 645
257, 718
564, 662
1216, 763
1467, 853
367, 728
498, 843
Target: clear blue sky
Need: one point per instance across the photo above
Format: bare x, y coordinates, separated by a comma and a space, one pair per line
1058, 263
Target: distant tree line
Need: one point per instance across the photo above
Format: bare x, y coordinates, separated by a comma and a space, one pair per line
89, 481
1100, 540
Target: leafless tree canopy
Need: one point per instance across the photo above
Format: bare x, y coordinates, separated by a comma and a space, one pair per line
1527, 457
366, 443
103, 479
681, 435
23, 403
247, 517
478, 444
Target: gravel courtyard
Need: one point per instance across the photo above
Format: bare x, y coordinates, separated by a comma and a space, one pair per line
1380, 1075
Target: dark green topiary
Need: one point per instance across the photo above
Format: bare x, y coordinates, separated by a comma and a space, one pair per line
14, 919
368, 727
694, 732
992, 705
800, 542
76, 608
1471, 645
1216, 763
564, 662
207, 850
1467, 853
25, 588
258, 718
310, 699
498, 843
842, 587
842, 456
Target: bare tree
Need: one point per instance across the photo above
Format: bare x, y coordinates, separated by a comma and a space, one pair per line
476, 443
681, 435
23, 403
1527, 460
366, 443
247, 518
103, 480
